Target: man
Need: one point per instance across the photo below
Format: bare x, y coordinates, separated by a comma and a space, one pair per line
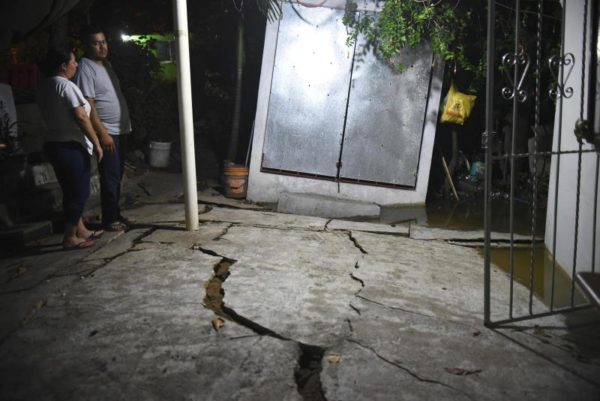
110, 119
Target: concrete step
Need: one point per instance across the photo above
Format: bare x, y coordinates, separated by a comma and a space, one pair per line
324, 206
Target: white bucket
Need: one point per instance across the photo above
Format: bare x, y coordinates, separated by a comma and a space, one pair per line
159, 154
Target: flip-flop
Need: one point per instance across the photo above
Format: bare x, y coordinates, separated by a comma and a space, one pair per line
96, 234
82, 245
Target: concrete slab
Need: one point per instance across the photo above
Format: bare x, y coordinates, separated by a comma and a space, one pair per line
182, 238
345, 225
171, 214
359, 315
308, 302
465, 363
430, 278
432, 233
324, 206
121, 242
263, 219
141, 332
213, 197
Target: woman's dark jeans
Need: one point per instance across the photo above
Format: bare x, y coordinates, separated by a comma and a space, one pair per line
71, 163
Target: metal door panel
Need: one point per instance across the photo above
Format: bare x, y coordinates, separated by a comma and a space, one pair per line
386, 112
308, 93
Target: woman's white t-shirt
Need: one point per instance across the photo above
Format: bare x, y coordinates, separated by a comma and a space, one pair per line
57, 97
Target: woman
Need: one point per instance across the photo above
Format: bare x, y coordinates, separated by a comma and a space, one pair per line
69, 143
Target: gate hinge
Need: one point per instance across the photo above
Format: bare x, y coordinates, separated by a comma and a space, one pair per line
484, 140
583, 131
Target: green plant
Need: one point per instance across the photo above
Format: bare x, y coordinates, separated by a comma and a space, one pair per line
409, 23
447, 26
139, 75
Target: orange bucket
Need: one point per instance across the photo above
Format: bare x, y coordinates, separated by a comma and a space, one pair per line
236, 181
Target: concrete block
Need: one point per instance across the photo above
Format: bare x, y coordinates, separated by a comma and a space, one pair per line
42, 173
324, 206
17, 236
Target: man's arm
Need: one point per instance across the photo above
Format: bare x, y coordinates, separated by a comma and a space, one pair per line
105, 138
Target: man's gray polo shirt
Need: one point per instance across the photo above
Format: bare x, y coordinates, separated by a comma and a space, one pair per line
100, 83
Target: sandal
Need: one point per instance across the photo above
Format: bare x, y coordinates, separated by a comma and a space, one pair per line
96, 234
115, 226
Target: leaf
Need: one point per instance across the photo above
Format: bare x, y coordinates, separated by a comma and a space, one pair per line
217, 323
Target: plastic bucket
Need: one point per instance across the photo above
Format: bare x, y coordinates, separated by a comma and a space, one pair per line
159, 154
236, 181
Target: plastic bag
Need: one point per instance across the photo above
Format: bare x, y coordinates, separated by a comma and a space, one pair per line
457, 106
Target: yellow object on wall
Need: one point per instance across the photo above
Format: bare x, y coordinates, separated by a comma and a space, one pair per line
457, 106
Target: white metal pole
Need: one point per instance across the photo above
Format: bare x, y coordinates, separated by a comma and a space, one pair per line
186, 120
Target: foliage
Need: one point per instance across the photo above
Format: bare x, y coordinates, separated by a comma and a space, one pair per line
444, 24
456, 31
269, 8
152, 102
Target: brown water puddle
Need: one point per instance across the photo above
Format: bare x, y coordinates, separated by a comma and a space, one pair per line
542, 274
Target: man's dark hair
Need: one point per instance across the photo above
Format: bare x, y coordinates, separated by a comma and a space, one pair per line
56, 57
89, 31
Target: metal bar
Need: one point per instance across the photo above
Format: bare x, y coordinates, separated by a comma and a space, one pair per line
489, 128
535, 138
563, 152
581, 115
595, 215
537, 315
558, 147
512, 160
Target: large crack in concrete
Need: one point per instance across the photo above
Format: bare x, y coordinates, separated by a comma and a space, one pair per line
308, 372
362, 286
408, 371
224, 232
356, 244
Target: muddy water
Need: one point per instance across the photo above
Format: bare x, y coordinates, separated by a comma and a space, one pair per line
543, 275
468, 215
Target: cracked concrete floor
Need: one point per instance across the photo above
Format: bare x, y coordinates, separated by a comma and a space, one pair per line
314, 310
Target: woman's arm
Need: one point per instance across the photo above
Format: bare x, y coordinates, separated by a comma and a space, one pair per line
86, 127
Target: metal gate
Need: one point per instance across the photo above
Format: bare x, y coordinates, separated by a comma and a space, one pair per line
544, 155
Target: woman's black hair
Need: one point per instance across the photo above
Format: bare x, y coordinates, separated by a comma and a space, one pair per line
56, 57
